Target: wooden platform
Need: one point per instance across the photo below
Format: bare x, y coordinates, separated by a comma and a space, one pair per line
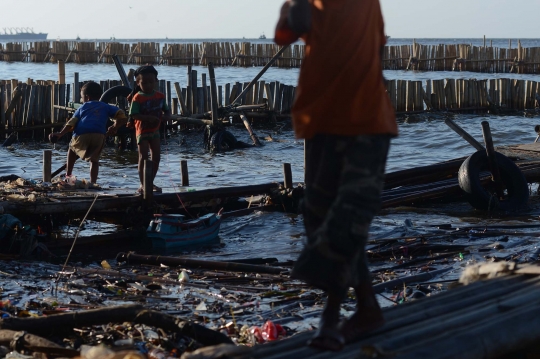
528, 151
485, 319
106, 201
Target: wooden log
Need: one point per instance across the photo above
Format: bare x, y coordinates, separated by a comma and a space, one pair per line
466, 136
64, 323
82, 205
133, 258
252, 135
184, 174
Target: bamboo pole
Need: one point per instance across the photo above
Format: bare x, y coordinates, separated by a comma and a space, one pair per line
213, 94
61, 72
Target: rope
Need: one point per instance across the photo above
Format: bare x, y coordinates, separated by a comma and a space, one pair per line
74, 240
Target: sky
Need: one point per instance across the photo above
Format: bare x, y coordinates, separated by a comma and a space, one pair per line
102, 19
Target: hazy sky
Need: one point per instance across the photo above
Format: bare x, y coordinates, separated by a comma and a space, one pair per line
101, 19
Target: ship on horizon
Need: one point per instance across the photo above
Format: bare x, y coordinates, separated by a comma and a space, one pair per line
21, 33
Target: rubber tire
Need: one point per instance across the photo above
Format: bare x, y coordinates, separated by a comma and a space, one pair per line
116, 91
222, 141
514, 182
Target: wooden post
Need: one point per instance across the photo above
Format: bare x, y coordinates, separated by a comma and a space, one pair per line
47, 162
181, 99
287, 176
266, 67
76, 89
492, 159
194, 92
184, 173
61, 72
213, 94
148, 185
466, 136
253, 136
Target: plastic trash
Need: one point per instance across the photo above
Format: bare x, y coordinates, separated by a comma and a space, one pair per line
257, 334
105, 264
183, 277
281, 331
269, 331
71, 180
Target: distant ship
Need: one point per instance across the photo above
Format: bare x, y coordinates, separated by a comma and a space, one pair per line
262, 37
21, 33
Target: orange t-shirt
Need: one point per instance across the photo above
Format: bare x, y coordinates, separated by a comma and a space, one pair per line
341, 89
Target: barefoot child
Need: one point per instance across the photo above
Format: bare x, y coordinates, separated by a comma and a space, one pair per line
89, 127
148, 108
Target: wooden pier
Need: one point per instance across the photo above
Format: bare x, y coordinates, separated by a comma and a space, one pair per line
490, 318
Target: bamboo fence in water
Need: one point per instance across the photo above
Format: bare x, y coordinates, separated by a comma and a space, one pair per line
444, 57
39, 105
244, 54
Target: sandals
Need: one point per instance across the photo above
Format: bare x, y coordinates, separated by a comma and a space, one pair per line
327, 339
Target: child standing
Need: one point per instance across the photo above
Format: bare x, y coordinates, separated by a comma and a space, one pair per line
89, 127
148, 108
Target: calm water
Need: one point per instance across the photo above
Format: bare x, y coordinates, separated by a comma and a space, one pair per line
423, 140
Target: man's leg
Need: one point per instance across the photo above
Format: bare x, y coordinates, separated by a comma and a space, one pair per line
363, 179
330, 262
323, 167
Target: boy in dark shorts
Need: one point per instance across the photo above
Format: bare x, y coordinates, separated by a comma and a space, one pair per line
148, 108
89, 127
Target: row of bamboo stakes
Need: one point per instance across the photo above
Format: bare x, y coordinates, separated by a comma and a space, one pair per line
35, 100
32, 103
443, 57
462, 57
244, 54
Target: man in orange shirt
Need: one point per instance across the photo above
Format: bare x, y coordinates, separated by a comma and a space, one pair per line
346, 118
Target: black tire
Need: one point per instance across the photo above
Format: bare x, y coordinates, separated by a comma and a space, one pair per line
222, 141
517, 189
116, 91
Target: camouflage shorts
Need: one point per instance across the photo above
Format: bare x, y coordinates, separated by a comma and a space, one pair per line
344, 181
